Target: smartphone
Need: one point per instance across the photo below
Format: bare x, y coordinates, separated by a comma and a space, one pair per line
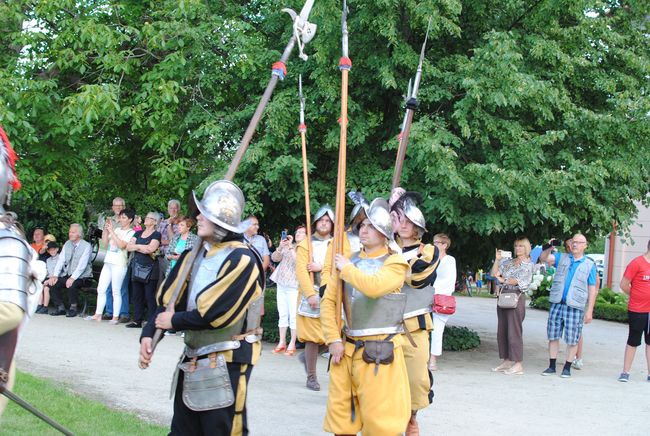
556, 243
283, 235
506, 254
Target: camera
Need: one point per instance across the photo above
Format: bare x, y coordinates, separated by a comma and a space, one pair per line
556, 243
506, 254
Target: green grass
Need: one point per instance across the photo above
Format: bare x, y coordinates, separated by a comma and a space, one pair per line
78, 414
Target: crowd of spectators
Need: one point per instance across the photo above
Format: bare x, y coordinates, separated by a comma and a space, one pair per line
135, 256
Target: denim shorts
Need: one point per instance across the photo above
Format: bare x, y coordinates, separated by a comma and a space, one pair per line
564, 318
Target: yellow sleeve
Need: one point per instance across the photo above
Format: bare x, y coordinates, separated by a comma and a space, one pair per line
326, 273
389, 278
305, 283
11, 315
328, 317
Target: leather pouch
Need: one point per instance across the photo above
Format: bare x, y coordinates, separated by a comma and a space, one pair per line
378, 352
206, 384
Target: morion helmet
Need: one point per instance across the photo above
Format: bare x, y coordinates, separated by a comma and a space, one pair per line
379, 217
406, 206
223, 203
325, 209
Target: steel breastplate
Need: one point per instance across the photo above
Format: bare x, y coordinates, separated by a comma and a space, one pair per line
15, 272
204, 273
201, 342
365, 316
320, 251
418, 301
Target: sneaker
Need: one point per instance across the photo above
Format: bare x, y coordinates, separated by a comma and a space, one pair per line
71, 313
170, 332
577, 364
312, 383
549, 371
124, 319
42, 310
625, 377
107, 317
58, 312
566, 373
133, 325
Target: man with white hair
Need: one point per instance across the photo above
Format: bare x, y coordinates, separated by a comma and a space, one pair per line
72, 271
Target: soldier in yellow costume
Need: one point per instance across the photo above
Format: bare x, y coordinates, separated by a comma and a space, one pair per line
369, 390
219, 310
308, 322
423, 261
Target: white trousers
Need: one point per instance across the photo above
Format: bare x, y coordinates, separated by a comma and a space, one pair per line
111, 275
439, 322
286, 298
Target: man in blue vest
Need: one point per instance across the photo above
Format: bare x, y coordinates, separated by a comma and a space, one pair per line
573, 295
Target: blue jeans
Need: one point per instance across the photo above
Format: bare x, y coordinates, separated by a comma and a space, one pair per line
124, 310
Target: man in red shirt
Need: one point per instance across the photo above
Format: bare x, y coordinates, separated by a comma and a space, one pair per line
636, 283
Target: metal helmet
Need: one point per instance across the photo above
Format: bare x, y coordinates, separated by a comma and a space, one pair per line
379, 217
8, 179
358, 214
223, 204
414, 214
325, 209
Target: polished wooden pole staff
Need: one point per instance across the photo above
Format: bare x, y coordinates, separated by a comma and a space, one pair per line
302, 128
345, 65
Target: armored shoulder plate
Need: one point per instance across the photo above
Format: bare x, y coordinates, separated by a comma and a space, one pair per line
15, 272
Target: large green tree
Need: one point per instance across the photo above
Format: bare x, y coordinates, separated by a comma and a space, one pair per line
533, 116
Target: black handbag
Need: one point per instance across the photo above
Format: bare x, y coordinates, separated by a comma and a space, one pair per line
141, 273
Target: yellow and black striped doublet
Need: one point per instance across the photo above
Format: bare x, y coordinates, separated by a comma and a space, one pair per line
423, 266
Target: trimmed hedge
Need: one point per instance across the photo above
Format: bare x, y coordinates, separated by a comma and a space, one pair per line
605, 311
454, 339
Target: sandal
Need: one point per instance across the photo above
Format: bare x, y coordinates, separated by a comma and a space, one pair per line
290, 352
501, 368
279, 349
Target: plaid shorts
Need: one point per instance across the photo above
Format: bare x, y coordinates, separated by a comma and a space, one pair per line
564, 318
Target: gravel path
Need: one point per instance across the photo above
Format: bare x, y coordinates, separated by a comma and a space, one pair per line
99, 361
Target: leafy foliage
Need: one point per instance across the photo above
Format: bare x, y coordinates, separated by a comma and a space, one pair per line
459, 339
532, 117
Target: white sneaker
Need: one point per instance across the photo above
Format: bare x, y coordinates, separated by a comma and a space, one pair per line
577, 364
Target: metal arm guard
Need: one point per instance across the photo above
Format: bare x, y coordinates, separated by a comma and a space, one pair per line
15, 271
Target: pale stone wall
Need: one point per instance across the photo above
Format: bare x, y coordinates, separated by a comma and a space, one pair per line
626, 249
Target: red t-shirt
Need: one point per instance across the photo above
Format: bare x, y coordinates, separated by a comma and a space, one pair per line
638, 272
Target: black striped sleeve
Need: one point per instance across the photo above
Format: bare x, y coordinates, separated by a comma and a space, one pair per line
225, 300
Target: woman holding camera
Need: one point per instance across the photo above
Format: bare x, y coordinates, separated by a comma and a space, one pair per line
514, 276
287, 290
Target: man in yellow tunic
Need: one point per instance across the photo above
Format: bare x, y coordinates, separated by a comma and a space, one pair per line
369, 390
219, 309
308, 272
418, 287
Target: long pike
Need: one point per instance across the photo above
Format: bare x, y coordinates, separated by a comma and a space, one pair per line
411, 105
345, 65
302, 128
303, 33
